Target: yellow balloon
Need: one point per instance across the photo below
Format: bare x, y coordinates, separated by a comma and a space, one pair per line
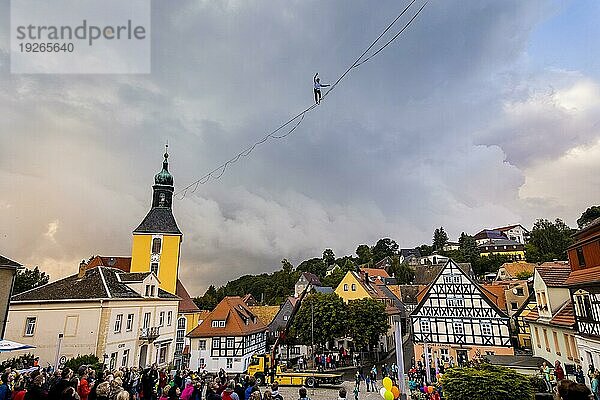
387, 383
388, 395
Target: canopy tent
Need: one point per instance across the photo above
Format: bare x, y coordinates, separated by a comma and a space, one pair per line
9, 345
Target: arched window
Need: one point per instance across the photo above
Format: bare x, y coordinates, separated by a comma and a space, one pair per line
181, 323
156, 243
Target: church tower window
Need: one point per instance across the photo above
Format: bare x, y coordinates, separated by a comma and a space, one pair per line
156, 245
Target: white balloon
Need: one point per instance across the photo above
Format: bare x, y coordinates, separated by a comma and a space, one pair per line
382, 392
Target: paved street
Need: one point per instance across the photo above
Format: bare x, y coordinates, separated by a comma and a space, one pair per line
330, 392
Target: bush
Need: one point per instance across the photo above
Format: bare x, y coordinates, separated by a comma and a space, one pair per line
90, 360
486, 382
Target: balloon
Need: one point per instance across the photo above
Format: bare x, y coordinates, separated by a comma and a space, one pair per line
387, 383
395, 392
388, 395
430, 389
382, 392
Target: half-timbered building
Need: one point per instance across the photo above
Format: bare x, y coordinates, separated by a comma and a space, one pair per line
457, 318
584, 285
227, 338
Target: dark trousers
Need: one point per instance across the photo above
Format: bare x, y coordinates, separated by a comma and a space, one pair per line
317, 96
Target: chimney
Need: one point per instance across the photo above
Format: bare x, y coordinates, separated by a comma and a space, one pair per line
82, 269
367, 278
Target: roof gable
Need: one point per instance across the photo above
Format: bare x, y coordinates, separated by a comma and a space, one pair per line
553, 275
239, 320
6, 262
452, 269
186, 305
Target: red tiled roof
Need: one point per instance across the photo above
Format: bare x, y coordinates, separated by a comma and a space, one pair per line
239, 320
497, 295
555, 275
565, 316
122, 263
584, 276
376, 273
186, 305
533, 315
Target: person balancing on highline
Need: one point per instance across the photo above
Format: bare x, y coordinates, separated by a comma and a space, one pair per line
318, 86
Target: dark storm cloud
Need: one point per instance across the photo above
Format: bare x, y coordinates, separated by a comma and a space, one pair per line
424, 135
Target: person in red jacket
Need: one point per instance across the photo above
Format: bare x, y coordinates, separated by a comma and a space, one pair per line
83, 388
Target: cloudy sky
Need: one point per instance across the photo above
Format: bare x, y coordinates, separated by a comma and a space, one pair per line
484, 113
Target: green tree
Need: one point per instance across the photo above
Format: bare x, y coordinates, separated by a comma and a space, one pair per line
425, 250
209, 300
366, 322
329, 314
548, 241
588, 216
314, 265
486, 382
440, 238
348, 266
468, 248
90, 360
328, 257
384, 248
28, 279
490, 263
334, 279
405, 275
364, 254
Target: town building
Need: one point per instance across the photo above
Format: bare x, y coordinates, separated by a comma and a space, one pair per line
458, 319
552, 323
520, 324
306, 282
505, 247
451, 246
125, 319
409, 256
489, 235
515, 270
8, 271
361, 285
516, 233
433, 259
584, 286
227, 338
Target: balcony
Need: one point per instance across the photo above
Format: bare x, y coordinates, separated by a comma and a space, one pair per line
150, 334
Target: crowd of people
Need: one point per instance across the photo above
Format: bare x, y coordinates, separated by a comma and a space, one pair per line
554, 375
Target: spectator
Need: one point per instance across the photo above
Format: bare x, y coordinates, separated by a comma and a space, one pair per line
275, 391
569, 390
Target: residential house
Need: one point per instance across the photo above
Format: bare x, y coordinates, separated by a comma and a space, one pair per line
516, 233
457, 318
489, 235
512, 292
433, 259
451, 246
552, 323
360, 285
410, 256
332, 269
504, 247
278, 326
123, 318
249, 300
306, 282
515, 270
8, 271
227, 338
584, 286
520, 324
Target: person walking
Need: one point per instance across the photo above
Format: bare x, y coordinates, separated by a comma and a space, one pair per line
559, 372
317, 88
596, 385
579, 377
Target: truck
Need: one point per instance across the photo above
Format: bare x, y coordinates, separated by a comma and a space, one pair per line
259, 369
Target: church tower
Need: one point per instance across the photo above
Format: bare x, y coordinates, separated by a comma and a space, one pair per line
157, 241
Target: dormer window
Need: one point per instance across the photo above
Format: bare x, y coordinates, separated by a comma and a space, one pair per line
156, 245
218, 323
